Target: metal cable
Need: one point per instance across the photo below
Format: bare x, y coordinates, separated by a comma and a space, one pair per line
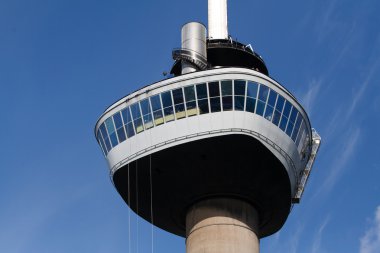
129, 214
151, 197
137, 208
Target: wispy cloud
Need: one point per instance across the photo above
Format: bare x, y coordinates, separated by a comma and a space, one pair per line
324, 26
316, 246
370, 242
358, 94
294, 241
311, 94
344, 153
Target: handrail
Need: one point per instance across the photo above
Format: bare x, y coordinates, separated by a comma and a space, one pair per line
306, 172
191, 56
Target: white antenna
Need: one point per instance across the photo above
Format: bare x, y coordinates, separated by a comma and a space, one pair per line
217, 19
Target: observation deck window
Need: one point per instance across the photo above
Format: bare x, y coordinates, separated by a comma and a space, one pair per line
179, 103
157, 110
101, 142
227, 95
202, 98
262, 99
119, 127
105, 137
137, 119
147, 113
278, 110
239, 92
128, 122
296, 127
214, 91
214, 96
285, 115
251, 97
167, 104
111, 132
191, 103
292, 121
270, 105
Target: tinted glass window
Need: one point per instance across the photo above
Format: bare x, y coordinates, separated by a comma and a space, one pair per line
128, 122
227, 103
287, 108
178, 96
226, 88
203, 106
126, 115
293, 115
121, 134
239, 103
118, 121
201, 91
178, 101
250, 106
156, 102
101, 142
272, 98
166, 99
296, 127
145, 106
213, 89
191, 106
280, 103
135, 109
105, 137
147, 113
276, 117
119, 127
289, 128
260, 108
189, 93
239, 87
252, 90
263, 93
110, 126
215, 104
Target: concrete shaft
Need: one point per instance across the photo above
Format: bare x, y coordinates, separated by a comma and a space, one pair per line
222, 225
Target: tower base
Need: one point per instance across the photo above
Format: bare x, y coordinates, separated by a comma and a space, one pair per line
222, 225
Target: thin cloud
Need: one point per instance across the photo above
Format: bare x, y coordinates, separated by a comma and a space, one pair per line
294, 241
324, 26
308, 100
316, 247
340, 163
363, 87
370, 242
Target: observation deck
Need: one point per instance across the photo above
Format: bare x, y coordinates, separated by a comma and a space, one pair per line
226, 132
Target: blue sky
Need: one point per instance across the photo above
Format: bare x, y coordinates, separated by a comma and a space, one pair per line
63, 62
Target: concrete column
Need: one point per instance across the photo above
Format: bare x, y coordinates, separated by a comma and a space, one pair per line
222, 225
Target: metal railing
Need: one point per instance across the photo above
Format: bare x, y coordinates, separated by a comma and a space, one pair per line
191, 56
306, 172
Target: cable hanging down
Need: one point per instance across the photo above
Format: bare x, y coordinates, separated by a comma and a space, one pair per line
151, 198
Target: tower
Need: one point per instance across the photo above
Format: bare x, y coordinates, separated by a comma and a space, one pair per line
218, 152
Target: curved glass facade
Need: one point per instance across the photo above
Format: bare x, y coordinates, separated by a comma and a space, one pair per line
202, 98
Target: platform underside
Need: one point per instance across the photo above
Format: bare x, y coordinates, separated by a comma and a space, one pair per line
236, 166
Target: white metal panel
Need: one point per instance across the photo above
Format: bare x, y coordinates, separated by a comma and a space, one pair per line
217, 19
